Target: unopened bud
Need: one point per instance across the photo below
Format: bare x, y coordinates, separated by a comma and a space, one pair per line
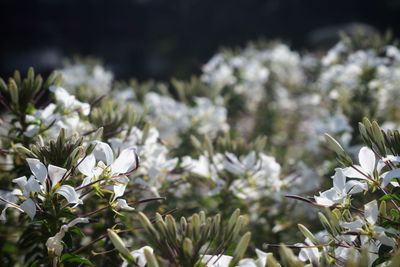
171, 225
188, 247
119, 245
150, 258
241, 247
148, 226
307, 233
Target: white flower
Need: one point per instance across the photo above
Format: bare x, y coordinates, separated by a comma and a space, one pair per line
309, 252
116, 169
45, 116
40, 171
367, 165
37, 184
256, 174
201, 167
69, 101
54, 244
340, 190
372, 235
27, 186
95, 78
123, 205
209, 118
256, 165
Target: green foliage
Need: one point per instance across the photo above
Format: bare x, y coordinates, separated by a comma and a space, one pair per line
21, 96
63, 152
114, 119
186, 242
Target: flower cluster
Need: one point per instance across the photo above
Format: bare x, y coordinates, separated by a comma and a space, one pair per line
85, 161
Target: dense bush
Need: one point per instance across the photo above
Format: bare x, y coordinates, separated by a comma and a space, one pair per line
103, 172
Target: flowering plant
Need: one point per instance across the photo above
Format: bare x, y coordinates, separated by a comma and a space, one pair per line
87, 180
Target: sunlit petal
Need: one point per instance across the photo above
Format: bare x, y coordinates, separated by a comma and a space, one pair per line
38, 169
367, 160
70, 194
56, 174
125, 162
29, 207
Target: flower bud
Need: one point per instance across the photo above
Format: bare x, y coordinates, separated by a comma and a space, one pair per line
119, 245
148, 226
171, 225
233, 220
150, 258
307, 233
188, 247
241, 248
13, 89
338, 149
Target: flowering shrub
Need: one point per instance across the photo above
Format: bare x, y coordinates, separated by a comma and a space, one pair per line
97, 172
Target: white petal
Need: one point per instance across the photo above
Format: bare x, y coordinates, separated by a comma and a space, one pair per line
21, 182
339, 180
84, 108
32, 130
32, 186
76, 221
217, 260
123, 205
119, 187
170, 164
323, 201
38, 169
103, 152
371, 212
56, 174
29, 207
247, 263
86, 165
262, 257
386, 240
354, 187
200, 167
367, 160
389, 176
232, 164
125, 162
70, 194
353, 173
250, 160
354, 226
327, 198
380, 165
309, 254
138, 256
86, 181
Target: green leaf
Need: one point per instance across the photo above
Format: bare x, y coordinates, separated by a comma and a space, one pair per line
76, 231
72, 258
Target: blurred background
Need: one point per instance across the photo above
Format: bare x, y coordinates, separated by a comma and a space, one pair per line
164, 38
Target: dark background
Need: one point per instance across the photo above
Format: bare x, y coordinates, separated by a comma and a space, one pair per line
163, 38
